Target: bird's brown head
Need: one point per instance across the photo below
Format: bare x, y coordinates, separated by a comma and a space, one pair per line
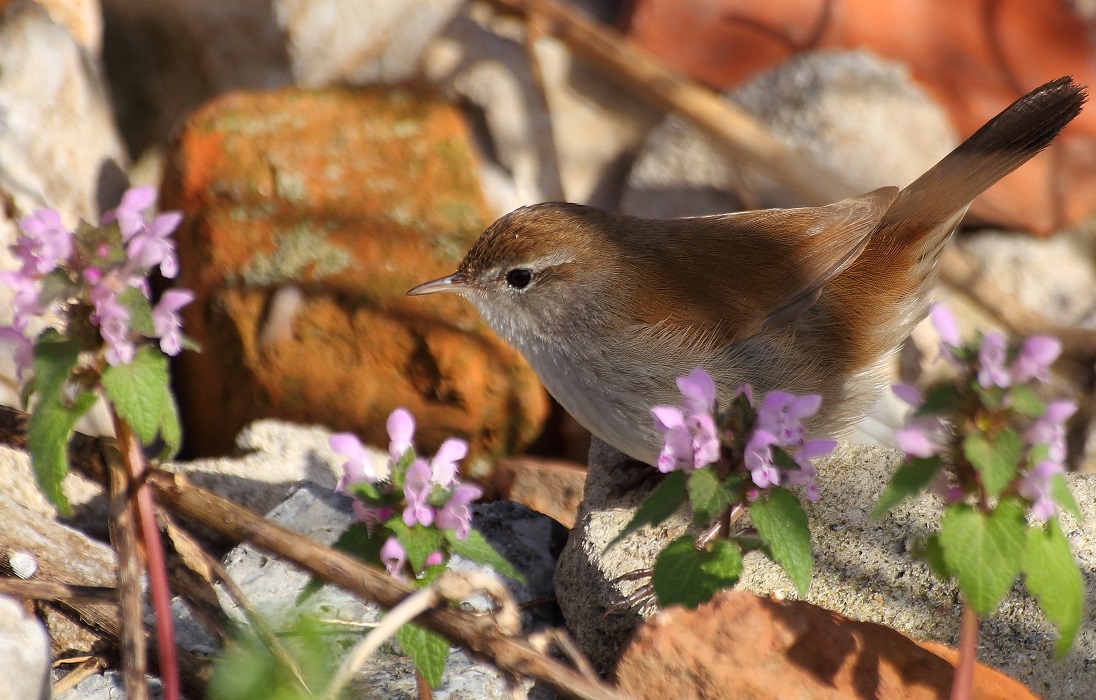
533, 268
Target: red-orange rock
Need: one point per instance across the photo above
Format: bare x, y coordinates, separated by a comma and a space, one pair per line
552, 487
975, 56
308, 215
741, 646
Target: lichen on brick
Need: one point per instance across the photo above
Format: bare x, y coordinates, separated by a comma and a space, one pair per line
297, 252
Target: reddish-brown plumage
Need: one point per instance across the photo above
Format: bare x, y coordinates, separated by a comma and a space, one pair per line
809, 300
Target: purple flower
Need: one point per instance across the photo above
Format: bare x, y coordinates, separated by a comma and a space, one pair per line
946, 326
113, 321
758, 456
455, 515
705, 440
416, 489
166, 321
922, 437
698, 390
781, 415
991, 360
909, 394
444, 465
1050, 429
23, 356
357, 467
25, 302
435, 558
45, 244
393, 557
130, 213
1036, 356
152, 246
368, 515
1036, 487
401, 430
677, 441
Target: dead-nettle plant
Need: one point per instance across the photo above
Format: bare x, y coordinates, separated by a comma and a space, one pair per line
413, 515
986, 444
722, 464
103, 338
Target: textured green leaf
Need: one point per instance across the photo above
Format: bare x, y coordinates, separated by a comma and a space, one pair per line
930, 551
1052, 576
419, 541
171, 429
48, 433
427, 650
995, 459
985, 551
782, 525
139, 391
685, 575
707, 495
54, 359
140, 310
663, 502
476, 548
939, 399
1024, 401
908, 480
1059, 489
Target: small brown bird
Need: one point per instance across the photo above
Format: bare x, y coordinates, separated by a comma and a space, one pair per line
610, 309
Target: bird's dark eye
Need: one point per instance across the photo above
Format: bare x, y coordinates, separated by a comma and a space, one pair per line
519, 278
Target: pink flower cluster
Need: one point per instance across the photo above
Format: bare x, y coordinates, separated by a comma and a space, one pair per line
780, 424
100, 277
928, 435
691, 439
426, 482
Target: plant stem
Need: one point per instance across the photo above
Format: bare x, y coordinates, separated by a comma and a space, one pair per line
141, 499
962, 681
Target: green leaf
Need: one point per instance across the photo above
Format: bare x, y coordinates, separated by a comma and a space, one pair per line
355, 541
419, 541
476, 548
56, 286
707, 495
908, 480
48, 433
139, 391
370, 493
663, 502
1052, 576
140, 311
427, 650
1024, 401
782, 524
994, 459
940, 399
1059, 489
984, 550
54, 359
685, 575
171, 429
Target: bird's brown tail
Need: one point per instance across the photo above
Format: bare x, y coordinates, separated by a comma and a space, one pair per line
932, 204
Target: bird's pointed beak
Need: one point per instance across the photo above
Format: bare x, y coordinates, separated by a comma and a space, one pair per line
453, 283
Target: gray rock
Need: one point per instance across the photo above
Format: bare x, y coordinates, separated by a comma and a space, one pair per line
851, 112
273, 587
24, 653
863, 570
108, 685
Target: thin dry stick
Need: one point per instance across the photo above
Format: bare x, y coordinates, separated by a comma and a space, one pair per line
145, 512
88, 667
412, 606
38, 589
511, 654
123, 535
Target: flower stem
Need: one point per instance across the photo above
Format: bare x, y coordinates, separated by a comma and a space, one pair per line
962, 682
141, 499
